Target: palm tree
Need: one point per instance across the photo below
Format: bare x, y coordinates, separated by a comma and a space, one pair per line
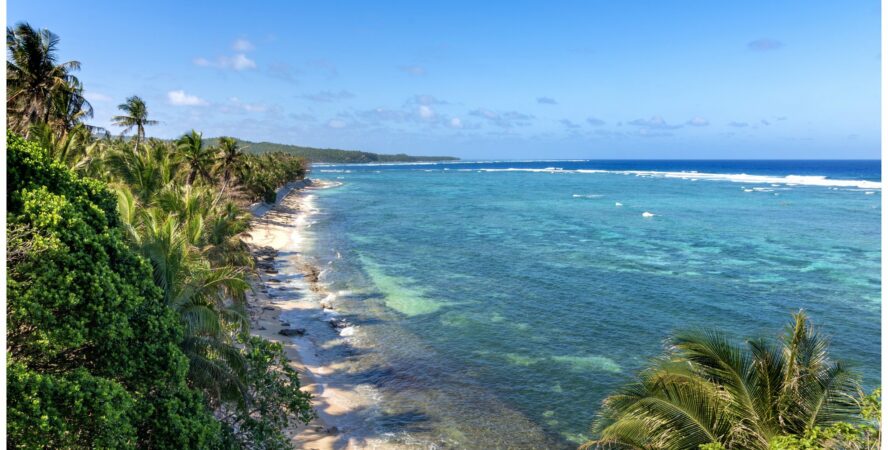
146, 171
199, 158
69, 108
135, 116
209, 300
72, 147
708, 390
35, 80
232, 160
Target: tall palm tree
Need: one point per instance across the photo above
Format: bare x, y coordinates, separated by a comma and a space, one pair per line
708, 390
69, 108
198, 157
231, 160
135, 116
35, 79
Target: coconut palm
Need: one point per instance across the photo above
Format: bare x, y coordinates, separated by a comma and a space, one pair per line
231, 163
68, 109
146, 171
232, 159
71, 147
708, 390
135, 116
209, 300
35, 80
196, 155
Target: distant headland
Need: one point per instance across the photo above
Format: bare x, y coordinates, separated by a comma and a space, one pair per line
332, 155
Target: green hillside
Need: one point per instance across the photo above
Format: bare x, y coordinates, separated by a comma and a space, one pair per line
332, 155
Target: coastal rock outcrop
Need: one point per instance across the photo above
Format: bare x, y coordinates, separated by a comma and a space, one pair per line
292, 332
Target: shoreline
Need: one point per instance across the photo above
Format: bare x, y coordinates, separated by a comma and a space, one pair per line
286, 295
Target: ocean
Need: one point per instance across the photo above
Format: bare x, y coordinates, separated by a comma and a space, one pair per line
497, 303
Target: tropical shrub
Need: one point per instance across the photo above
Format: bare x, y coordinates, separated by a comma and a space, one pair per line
93, 357
276, 401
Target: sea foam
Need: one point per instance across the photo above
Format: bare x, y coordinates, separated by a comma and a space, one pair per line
587, 196
790, 180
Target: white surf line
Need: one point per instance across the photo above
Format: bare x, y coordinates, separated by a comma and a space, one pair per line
792, 180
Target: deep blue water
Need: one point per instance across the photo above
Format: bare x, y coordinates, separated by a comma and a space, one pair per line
505, 300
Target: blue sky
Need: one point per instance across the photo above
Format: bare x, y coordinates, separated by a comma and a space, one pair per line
488, 80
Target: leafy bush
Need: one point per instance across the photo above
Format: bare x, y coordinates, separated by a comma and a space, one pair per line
276, 400
93, 353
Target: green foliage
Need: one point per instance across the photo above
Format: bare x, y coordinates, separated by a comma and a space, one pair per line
712, 446
265, 173
276, 400
58, 410
863, 434
126, 313
38, 88
709, 392
331, 155
93, 353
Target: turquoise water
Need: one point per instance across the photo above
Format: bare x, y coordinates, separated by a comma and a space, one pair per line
503, 305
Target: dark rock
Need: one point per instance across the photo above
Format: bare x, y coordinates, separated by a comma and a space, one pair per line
312, 273
338, 324
269, 308
292, 332
332, 430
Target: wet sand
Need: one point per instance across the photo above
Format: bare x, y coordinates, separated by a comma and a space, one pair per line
286, 295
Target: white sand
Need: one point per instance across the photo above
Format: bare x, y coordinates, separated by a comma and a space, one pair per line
283, 228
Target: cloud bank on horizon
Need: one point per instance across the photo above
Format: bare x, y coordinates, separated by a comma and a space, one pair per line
622, 80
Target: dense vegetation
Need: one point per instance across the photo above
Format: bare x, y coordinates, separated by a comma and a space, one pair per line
127, 277
330, 155
713, 394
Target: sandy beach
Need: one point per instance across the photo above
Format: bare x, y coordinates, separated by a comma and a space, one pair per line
287, 296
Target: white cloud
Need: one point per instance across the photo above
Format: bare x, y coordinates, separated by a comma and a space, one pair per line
655, 122
236, 105
506, 119
239, 61
426, 112
698, 122
242, 45
180, 98
328, 96
455, 122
